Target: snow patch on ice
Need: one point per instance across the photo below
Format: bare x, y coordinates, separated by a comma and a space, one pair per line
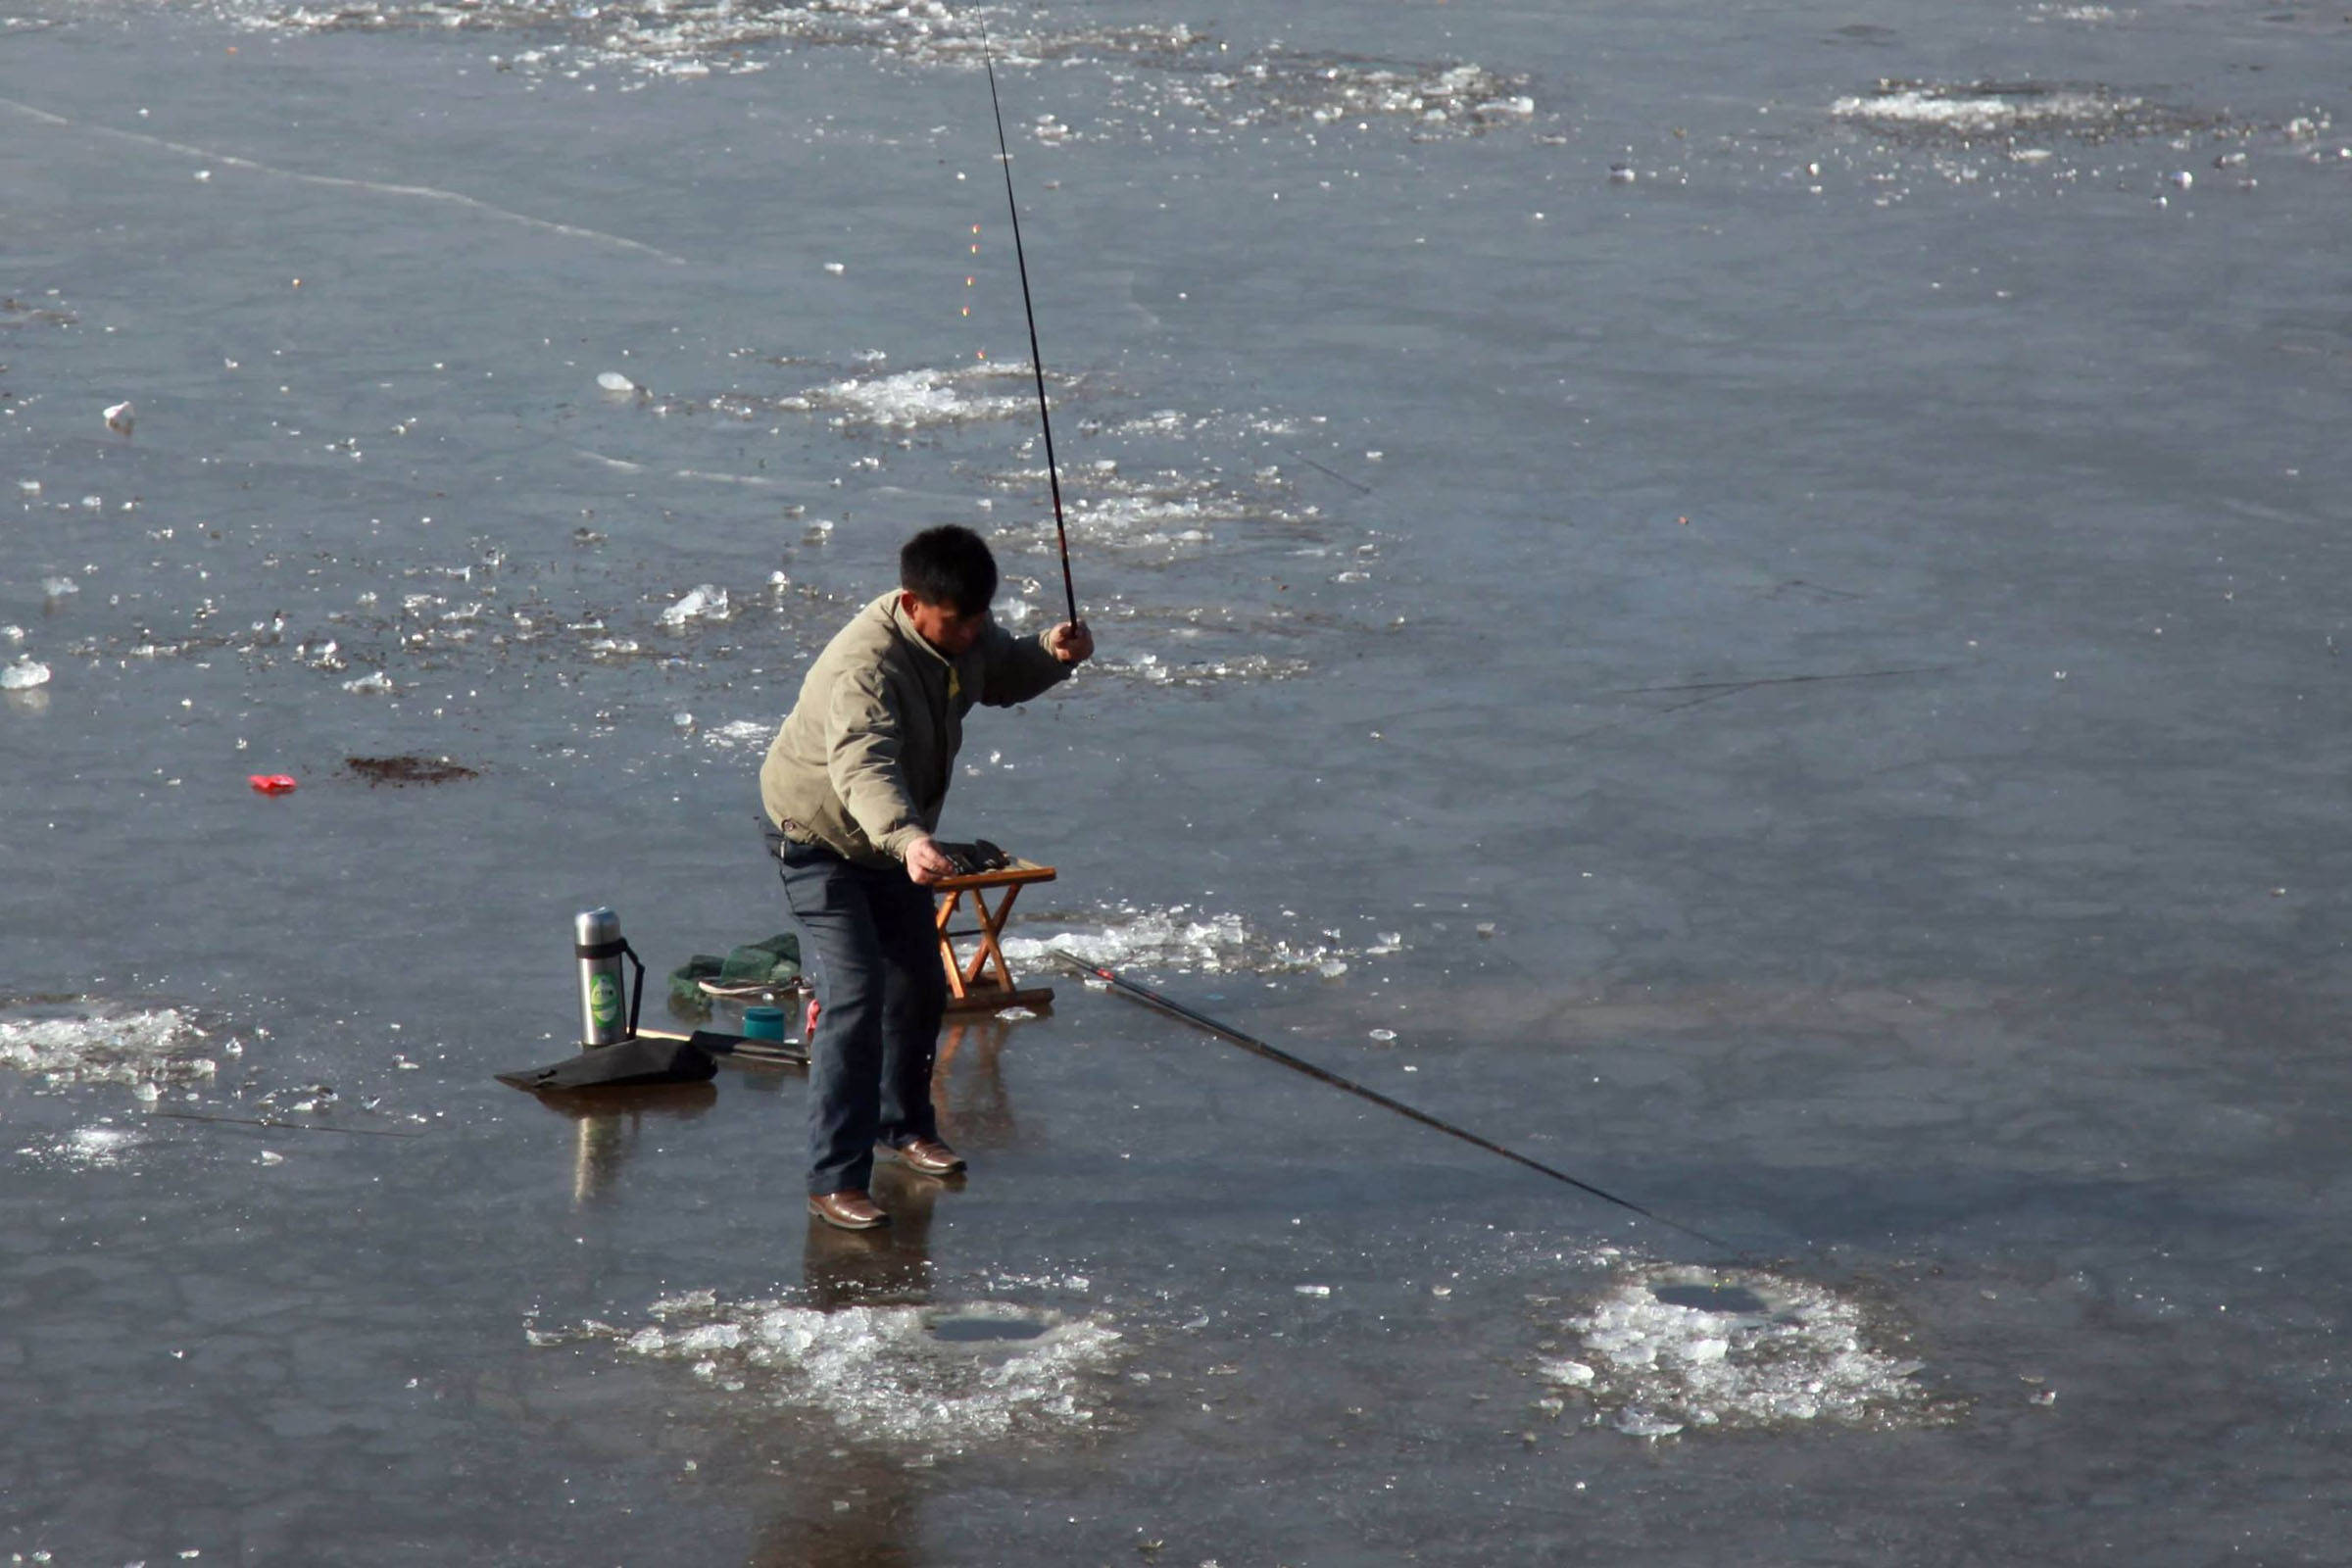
1159, 71
1935, 110
1676, 1349
1162, 514
912, 400
930, 1375
1179, 938
660, 38
740, 733
85, 1042
1153, 670
1978, 111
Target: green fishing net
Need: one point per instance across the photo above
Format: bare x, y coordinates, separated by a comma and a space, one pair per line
770, 965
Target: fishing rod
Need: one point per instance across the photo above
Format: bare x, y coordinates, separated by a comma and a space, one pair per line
290, 1126
1257, 1046
1037, 361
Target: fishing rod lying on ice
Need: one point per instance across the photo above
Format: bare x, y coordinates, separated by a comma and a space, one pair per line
1257, 1046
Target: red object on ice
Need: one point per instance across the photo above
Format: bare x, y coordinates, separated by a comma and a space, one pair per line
272, 783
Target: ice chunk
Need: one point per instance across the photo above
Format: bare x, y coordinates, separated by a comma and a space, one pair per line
26, 672
709, 1337
121, 417
615, 382
1567, 1374
59, 587
1636, 1422
371, 685
704, 602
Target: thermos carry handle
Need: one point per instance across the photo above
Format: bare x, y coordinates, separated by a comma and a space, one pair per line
636, 990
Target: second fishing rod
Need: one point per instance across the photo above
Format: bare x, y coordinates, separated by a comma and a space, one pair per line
1258, 1048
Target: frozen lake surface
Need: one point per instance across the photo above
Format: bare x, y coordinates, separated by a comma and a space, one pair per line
1748, 603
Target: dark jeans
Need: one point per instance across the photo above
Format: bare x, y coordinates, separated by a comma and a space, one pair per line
870, 945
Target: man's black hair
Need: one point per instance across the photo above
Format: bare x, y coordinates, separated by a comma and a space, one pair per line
948, 564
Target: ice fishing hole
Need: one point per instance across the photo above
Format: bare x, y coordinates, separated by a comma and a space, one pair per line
970, 1328
1736, 1299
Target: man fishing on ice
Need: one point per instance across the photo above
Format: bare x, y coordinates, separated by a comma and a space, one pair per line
853, 784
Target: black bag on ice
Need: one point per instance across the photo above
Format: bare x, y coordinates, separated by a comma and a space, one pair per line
635, 1061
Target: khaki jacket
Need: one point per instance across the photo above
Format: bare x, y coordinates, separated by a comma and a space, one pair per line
861, 763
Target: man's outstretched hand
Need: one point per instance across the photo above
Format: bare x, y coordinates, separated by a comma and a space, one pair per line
1071, 642
928, 862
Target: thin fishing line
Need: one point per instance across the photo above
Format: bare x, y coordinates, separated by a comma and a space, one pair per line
1037, 361
1257, 1047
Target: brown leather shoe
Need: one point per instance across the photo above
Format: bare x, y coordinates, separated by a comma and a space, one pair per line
929, 1156
849, 1209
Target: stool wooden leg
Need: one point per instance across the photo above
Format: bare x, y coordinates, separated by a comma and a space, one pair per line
990, 950
958, 988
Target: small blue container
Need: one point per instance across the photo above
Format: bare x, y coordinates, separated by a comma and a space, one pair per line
763, 1023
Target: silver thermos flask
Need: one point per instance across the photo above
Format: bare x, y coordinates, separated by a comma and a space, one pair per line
598, 944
